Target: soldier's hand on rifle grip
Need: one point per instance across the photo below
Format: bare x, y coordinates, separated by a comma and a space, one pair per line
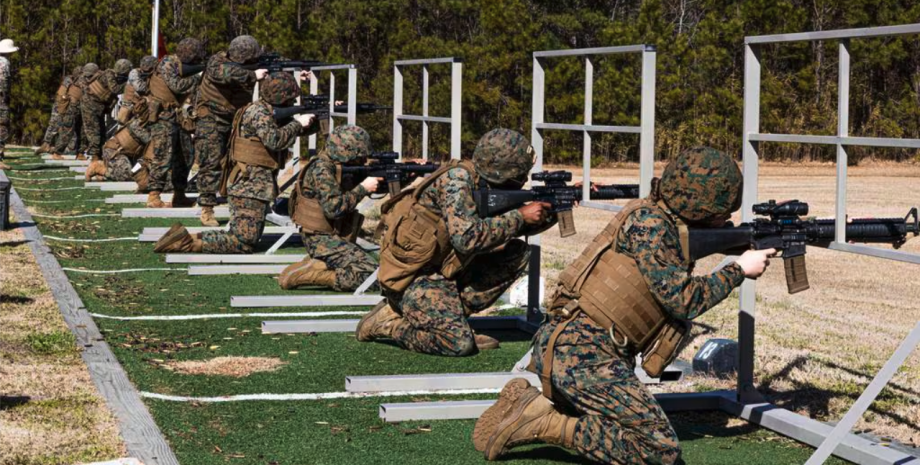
305, 120
535, 212
371, 184
306, 75
260, 74
755, 262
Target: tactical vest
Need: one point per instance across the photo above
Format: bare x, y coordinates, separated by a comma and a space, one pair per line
126, 143
307, 212
607, 286
228, 98
249, 150
160, 91
414, 236
97, 89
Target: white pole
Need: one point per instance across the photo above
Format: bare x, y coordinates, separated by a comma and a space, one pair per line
154, 37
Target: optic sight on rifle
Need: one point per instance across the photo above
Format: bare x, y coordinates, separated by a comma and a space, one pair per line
787, 231
384, 165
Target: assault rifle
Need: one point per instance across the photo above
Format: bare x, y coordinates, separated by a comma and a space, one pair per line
491, 202
272, 62
785, 230
315, 105
384, 165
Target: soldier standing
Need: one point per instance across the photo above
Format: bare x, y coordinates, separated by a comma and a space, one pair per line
169, 143
69, 126
258, 148
326, 212
6, 47
630, 292
225, 88
60, 101
440, 262
100, 94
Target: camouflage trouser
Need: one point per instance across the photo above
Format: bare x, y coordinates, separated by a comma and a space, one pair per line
619, 419
93, 126
117, 165
69, 129
436, 307
54, 125
4, 126
352, 265
247, 220
172, 150
211, 137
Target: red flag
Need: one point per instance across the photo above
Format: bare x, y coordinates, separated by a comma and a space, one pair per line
161, 46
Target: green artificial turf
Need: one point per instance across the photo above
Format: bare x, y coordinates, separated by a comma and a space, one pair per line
292, 432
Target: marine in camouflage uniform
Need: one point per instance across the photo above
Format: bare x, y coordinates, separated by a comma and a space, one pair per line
332, 260
99, 95
225, 88
54, 123
6, 76
70, 125
171, 147
251, 184
430, 315
599, 407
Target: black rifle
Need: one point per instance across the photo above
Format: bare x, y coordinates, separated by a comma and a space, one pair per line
384, 165
271, 62
321, 109
787, 231
491, 202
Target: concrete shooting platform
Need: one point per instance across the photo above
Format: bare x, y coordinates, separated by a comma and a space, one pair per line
141, 198
194, 212
111, 186
71, 162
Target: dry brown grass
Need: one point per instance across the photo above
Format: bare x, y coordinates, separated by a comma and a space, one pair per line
234, 367
50, 411
817, 350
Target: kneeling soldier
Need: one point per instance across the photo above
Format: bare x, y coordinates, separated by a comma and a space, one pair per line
326, 211
630, 292
440, 262
258, 148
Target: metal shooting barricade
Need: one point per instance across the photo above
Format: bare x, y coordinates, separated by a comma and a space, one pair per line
456, 109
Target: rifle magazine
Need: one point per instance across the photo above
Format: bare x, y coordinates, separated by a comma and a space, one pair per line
796, 274
566, 223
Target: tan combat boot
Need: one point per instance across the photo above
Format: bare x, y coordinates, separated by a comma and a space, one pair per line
378, 323
308, 272
179, 200
96, 170
44, 148
141, 179
207, 216
81, 156
154, 201
529, 418
57, 156
178, 240
484, 342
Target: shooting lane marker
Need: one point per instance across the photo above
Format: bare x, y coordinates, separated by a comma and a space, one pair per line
131, 270
194, 212
71, 239
221, 315
314, 396
74, 217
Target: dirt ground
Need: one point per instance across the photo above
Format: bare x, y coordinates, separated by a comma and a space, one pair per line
817, 350
50, 411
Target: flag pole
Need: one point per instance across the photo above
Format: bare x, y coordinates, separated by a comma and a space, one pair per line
154, 36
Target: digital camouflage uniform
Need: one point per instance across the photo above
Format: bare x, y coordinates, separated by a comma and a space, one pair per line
436, 308
254, 188
94, 109
118, 165
70, 125
617, 420
5, 84
54, 123
172, 146
215, 118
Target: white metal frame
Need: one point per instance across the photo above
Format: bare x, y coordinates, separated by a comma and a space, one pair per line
351, 116
456, 109
830, 441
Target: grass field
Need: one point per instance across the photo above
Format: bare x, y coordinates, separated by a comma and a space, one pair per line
814, 350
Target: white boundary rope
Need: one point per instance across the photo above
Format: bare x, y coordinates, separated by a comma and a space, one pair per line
42, 179
132, 270
223, 315
65, 201
316, 396
48, 190
73, 217
71, 239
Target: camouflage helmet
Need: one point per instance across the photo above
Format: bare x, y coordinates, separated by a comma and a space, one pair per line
702, 184
77, 71
122, 67
348, 143
148, 64
279, 89
244, 49
190, 50
90, 69
503, 156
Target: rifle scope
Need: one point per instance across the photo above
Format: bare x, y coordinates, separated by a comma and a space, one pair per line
552, 176
790, 208
384, 156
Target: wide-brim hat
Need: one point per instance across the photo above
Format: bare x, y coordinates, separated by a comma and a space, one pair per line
7, 46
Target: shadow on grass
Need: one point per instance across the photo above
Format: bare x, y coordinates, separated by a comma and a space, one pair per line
10, 402
16, 299
12, 244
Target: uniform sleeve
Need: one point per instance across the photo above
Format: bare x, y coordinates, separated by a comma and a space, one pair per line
225, 72
169, 70
468, 232
273, 137
111, 81
652, 241
334, 202
140, 84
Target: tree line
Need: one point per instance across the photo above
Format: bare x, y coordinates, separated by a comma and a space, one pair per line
700, 63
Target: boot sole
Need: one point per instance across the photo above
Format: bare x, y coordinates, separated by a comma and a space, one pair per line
488, 422
175, 233
504, 431
379, 308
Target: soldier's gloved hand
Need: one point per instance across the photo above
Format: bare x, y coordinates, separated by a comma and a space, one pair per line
535, 212
755, 262
260, 74
371, 184
305, 120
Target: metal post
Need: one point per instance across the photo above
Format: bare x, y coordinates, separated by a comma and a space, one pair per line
586, 134
296, 147
352, 96
397, 110
747, 311
155, 29
843, 130
425, 112
331, 100
456, 107
647, 138
536, 139
311, 141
